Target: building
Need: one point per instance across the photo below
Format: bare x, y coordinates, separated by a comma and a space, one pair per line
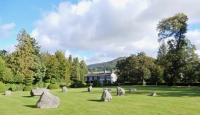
103, 77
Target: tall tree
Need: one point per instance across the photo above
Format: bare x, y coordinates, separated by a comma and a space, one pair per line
63, 67
83, 70
75, 72
51, 63
6, 74
176, 27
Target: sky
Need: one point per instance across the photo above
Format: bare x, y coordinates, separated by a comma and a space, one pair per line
94, 30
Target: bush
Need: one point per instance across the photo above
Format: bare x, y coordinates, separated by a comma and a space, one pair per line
78, 84
27, 88
2, 87
11, 87
96, 83
53, 86
19, 87
40, 84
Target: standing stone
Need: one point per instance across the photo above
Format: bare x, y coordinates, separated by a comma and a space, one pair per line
109, 90
90, 89
8, 92
153, 94
64, 89
132, 89
48, 100
38, 91
120, 91
106, 96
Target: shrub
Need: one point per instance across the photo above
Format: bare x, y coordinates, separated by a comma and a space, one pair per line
27, 88
53, 81
53, 86
2, 87
19, 87
11, 87
96, 83
39, 84
78, 84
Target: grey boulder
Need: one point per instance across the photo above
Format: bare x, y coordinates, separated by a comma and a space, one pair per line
120, 91
132, 89
106, 96
8, 92
90, 89
153, 94
64, 89
48, 100
38, 91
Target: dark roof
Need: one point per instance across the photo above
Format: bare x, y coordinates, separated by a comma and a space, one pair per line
99, 74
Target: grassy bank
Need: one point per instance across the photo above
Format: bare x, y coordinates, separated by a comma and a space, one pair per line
169, 101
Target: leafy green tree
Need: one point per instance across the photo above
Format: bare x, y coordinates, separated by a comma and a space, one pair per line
6, 74
176, 27
157, 74
190, 70
63, 67
75, 71
135, 68
83, 70
51, 63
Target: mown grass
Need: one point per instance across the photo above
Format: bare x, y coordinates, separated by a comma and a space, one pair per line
169, 101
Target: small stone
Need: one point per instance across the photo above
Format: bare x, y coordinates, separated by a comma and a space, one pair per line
153, 94
133, 90
8, 92
120, 91
90, 89
64, 89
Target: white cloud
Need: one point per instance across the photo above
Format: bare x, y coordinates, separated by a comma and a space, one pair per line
108, 29
4, 29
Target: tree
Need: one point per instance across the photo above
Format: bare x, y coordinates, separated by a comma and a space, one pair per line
21, 61
51, 63
6, 74
176, 27
135, 68
75, 72
63, 67
83, 70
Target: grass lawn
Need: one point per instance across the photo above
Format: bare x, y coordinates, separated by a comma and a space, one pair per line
169, 101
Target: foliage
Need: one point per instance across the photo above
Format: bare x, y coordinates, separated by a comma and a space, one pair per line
63, 66
53, 86
27, 88
83, 70
78, 84
96, 83
51, 63
75, 70
180, 57
135, 68
6, 74
2, 87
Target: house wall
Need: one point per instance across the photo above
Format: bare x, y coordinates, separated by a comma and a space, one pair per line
112, 78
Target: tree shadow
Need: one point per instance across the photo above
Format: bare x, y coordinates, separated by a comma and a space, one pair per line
95, 100
31, 106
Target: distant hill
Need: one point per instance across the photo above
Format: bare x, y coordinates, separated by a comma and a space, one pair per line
98, 67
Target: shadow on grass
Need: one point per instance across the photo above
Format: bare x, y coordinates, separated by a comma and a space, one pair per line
31, 106
27, 96
95, 100
84, 91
